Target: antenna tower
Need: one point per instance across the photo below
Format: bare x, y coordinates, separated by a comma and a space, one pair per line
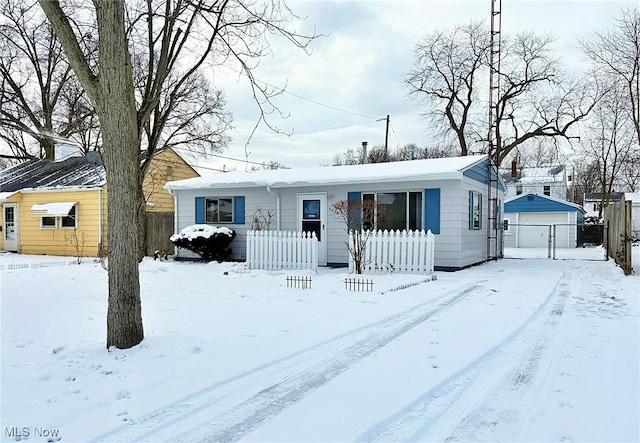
494, 225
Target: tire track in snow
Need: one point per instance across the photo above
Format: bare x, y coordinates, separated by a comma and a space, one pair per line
237, 408
474, 399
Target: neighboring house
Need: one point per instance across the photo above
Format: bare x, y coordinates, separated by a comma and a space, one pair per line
634, 197
166, 165
592, 202
549, 180
45, 203
449, 196
527, 219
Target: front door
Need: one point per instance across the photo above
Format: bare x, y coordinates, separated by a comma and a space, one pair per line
10, 228
312, 214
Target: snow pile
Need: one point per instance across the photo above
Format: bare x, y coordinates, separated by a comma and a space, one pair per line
201, 231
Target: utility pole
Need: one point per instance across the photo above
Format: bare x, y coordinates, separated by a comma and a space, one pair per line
386, 138
386, 141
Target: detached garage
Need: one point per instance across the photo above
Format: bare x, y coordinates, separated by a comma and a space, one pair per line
531, 219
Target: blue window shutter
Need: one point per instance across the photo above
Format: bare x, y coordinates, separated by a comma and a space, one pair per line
199, 210
238, 210
470, 209
432, 210
355, 213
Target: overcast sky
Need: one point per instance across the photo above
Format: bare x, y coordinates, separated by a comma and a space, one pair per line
340, 94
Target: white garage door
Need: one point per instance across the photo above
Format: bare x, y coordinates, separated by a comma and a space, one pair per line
538, 236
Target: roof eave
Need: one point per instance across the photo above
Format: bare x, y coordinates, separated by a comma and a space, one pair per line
300, 184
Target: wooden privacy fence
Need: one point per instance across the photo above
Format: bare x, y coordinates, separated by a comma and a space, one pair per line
159, 229
396, 251
617, 219
276, 250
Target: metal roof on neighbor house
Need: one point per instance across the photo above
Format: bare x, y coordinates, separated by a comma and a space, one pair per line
72, 172
596, 196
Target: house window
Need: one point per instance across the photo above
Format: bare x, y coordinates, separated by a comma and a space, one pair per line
505, 225
70, 221
475, 206
48, 223
219, 210
547, 190
518, 189
394, 211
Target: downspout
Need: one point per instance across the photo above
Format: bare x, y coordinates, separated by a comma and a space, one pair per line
277, 206
175, 216
100, 220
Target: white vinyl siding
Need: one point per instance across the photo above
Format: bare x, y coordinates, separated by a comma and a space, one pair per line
456, 245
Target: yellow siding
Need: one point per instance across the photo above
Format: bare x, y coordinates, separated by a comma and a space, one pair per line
165, 166
33, 239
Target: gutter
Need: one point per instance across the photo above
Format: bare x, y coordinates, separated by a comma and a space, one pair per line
277, 196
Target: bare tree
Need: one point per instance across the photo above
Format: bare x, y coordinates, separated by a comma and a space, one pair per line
585, 179
445, 79
377, 154
359, 217
535, 99
610, 142
40, 102
229, 29
615, 55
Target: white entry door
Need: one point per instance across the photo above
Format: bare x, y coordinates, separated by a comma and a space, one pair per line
312, 216
10, 228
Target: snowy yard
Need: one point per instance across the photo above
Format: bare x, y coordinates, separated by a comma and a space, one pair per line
518, 350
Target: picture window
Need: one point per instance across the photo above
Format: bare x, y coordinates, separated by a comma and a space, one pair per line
219, 210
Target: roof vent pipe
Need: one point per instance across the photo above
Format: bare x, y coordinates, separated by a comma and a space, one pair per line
364, 153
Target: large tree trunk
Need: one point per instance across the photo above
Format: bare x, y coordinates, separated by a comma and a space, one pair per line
112, 94
118, 121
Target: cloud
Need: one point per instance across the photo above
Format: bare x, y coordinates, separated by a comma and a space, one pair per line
356, 71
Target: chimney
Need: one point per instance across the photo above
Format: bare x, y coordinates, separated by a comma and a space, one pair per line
364, 152
514, 169
63, 151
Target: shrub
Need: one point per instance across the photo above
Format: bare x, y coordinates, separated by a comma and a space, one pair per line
209, 242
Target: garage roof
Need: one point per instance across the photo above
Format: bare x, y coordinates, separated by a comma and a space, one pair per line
534, 202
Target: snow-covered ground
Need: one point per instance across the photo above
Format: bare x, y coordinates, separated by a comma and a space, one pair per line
515, 350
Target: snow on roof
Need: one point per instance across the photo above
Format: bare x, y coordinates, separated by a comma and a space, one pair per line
539, 174
5, 195
439, 168
59, 209
633, 196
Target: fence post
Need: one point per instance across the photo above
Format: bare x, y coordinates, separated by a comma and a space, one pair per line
549, 243
431, 252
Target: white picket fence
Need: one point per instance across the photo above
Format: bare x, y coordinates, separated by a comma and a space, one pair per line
277, 250
397, 251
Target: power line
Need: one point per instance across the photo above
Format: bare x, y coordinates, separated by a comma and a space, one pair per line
317, 130
209, 154
282, 90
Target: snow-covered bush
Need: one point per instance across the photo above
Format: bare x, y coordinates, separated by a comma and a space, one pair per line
209, 242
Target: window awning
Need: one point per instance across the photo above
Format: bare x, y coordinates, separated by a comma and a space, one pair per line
60, 209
